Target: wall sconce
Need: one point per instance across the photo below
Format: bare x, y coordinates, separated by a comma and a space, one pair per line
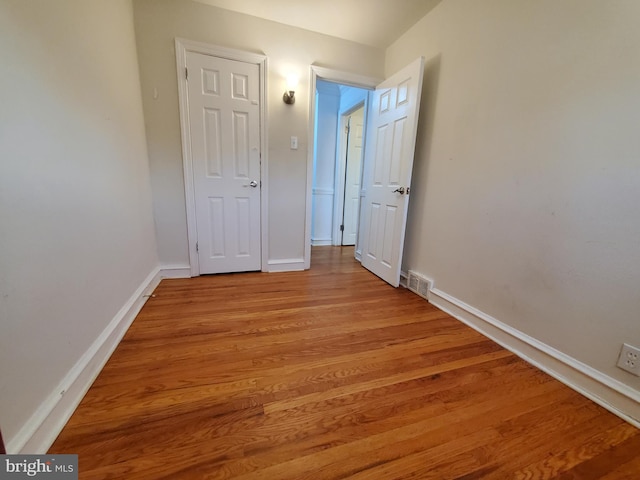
289, 94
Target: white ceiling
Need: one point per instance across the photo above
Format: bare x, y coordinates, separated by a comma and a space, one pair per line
376, 23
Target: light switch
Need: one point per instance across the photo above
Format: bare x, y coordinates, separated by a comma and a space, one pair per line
294, 143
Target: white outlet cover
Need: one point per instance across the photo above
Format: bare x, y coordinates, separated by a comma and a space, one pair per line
629, 359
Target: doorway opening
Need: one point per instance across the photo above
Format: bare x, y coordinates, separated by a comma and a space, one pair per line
392, 121
338, 156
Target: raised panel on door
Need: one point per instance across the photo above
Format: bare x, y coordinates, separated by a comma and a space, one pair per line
225, 147
389, 156
387, 234
374, 220
216, 228
210, 81
213, 143
241, 154
397, 145
243, 226
381, 153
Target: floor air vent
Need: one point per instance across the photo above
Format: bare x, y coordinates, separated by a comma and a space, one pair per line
418, 284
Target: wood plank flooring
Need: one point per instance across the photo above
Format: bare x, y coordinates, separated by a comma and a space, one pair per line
329, 374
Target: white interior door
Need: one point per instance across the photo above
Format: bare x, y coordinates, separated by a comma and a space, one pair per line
224, 121
391, 138
353, 172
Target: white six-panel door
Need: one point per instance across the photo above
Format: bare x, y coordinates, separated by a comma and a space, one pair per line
352, 177
389, 154
224, 121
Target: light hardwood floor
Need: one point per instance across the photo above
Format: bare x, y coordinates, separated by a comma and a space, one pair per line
329, 373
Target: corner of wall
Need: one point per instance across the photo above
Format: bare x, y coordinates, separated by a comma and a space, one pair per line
607, 392
46, 423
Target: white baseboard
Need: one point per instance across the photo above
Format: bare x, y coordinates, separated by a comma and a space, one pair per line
607, 392
286, 265
175, 271
46, 423
321, 242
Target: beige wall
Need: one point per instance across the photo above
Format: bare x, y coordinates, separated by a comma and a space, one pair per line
76, 222
158, 22
526, 190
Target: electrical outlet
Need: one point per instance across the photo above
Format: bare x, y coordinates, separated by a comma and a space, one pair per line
629, 359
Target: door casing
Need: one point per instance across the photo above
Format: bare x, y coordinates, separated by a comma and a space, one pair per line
182, 47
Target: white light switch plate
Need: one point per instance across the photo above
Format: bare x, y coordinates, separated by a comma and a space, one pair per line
294, 143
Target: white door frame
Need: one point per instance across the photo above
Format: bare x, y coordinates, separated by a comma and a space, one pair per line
337, 76
340, 168
184, 46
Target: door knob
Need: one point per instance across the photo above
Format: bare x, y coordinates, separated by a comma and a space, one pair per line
399, 190
252, 183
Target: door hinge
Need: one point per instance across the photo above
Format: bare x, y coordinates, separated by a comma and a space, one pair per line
186, 73
197, 249
342, 228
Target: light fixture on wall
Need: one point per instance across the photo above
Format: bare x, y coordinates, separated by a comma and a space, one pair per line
289, 94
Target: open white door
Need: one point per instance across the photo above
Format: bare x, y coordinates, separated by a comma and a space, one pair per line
353, 172
389, 153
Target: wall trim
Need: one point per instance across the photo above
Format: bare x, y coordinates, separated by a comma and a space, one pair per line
287, 265
46, 423
613, 395
175, 271
321, 242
